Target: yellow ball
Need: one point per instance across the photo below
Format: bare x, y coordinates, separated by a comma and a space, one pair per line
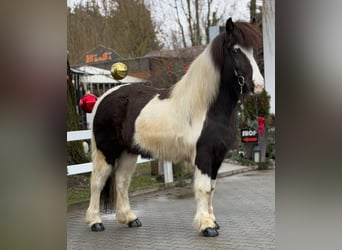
119, 71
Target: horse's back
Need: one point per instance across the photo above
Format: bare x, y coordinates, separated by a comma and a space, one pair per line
115, 115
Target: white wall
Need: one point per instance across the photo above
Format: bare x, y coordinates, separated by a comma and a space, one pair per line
268, 22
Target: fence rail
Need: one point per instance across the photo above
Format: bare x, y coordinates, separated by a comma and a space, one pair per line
88, 167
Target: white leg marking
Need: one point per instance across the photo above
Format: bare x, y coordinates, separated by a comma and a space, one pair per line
123, 174
202, 188
101, 171
257, 77
211, 209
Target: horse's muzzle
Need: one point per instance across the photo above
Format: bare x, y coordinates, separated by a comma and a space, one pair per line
258, 87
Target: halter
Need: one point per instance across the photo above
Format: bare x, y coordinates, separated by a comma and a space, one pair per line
241, 80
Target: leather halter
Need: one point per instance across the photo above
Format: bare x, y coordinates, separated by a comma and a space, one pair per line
241, 81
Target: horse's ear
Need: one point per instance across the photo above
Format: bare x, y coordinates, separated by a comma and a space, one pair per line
229, 25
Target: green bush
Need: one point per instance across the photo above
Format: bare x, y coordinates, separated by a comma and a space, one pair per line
181, 173
267, 164
270, 151
248, 113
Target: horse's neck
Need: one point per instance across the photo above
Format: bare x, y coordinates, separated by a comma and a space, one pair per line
198, 88
225, 105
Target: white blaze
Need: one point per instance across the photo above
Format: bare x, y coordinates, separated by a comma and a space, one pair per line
257, 78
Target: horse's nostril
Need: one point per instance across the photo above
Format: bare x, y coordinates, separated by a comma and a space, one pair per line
258, 89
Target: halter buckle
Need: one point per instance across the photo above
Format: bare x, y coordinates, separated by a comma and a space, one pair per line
240, 79
241, 82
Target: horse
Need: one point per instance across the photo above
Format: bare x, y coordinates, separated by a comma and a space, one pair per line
193, 121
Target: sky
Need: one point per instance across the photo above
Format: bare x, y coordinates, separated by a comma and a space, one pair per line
164, 14
158, 11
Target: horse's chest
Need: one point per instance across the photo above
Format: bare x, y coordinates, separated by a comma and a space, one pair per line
160, 130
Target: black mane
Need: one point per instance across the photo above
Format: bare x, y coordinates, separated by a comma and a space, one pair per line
248, 35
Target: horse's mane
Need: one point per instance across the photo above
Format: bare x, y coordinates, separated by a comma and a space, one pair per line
248, 35
199, 86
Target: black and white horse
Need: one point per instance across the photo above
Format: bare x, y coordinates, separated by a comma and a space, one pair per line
192, 121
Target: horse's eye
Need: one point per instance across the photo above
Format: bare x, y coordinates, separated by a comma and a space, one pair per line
236, 51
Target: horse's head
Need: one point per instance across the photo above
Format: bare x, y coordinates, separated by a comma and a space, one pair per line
237, 55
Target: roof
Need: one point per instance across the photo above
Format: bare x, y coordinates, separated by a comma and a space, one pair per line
91, 74
191, 52
76, 71
93, 70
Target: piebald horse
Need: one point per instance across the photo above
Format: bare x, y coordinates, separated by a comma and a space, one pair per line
192, 121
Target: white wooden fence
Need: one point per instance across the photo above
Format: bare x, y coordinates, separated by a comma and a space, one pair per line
88, 167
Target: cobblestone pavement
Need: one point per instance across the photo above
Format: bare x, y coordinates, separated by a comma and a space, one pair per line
243, 205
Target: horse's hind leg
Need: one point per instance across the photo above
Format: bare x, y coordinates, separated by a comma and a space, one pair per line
204, 220
123, 175
101, 172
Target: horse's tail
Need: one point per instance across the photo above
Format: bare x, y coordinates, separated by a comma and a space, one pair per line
108, 192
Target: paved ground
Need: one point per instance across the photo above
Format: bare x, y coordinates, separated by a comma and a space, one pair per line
243, 204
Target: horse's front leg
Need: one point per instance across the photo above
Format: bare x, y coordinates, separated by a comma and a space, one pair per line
204, 221
211, 208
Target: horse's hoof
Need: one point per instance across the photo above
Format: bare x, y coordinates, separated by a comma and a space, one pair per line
217, 226
210, 232
135, 223
97, 227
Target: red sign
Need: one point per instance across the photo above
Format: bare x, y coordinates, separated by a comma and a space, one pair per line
105, 56
249, 135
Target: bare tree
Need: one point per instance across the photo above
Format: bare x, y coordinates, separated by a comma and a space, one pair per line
192, 19
132, 21
123, 25
180, 24
252, 9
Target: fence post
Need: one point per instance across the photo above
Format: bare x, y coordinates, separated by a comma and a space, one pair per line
168, 173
